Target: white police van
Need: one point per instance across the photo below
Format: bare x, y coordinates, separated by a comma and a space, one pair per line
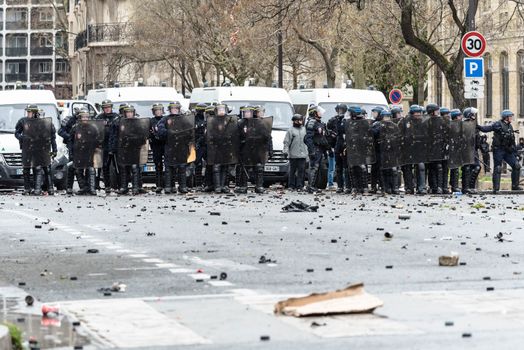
329, 98
276, 103
142, 98
12, 109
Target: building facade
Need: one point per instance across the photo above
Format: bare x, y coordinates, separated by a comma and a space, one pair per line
34, 47
99, 51
503, 62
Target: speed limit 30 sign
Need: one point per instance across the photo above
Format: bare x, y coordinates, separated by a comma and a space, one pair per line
473, 44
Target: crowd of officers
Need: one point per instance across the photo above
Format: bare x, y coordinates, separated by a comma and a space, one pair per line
431, 145
430, 148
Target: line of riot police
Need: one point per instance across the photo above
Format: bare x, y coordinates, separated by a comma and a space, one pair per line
430, 146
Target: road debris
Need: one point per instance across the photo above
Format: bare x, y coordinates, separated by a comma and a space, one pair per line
299, 206
448, 260
351, 300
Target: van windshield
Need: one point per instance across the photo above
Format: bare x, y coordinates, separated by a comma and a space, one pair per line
11, 114
330, 108
282, 112
143, 108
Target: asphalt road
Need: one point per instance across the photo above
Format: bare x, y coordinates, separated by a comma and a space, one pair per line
170, 252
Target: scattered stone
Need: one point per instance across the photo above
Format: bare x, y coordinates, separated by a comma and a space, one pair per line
490, 289
449, 324
214, 213
389, 266
404, 217
265, 338
29, 300
451, 260
93, 251
388, 235
150, 234
466, 335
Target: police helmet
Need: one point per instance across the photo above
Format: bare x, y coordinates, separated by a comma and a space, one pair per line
129, 108
315, 111
106, 103
355, 111
385, 114
455, 113
247, 111
258, 111
432, 108
221, 110
31, 108
415, 109
83, 112
444, 111
200, 107
470, 113
157, 106
296, 117
506, 114
341, 108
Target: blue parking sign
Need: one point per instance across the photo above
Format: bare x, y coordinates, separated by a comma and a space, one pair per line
474, 67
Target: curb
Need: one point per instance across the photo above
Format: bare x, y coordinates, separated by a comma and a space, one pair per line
5, 338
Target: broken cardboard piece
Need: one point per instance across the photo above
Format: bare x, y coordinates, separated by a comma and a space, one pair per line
451, 260
351, 300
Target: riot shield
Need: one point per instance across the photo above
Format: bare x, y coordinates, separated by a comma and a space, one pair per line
180, 139
359, 142
469, 130
414, 138
132, 141
257, 133
389, 143
438, 138
456, 144
222, 140
37, 142
89, 140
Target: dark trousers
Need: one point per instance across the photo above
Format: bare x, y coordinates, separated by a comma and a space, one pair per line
341, 171
297, 171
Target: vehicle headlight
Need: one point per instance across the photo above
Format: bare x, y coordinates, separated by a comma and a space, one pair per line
62, 152
2, 160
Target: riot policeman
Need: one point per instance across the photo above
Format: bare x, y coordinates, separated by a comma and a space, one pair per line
471, 171
128, 140
456, 117
67, 136
396, 114
438, 144
376, 178
387, 136
157, 145
484, 150
109, 160
37, 137
504, 149
200, 142
316, 143
208, 179
334, 137
177, 132
414, 137
445, 112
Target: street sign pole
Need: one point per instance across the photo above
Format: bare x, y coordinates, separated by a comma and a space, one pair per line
472, 9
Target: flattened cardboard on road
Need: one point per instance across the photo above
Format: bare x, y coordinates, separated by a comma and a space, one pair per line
351, 300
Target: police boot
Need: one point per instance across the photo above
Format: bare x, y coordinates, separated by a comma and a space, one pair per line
159, 178
440, 179
224, 183
363, 179
27, 181
466, 178
375, 176
208, 179
198, 176
217, 178
259, 179
475, 172
39, 181
124, 189
445, 178
106, 173
454, 180
168, 176
82, 182
340, 178
347, 182
140, 181
182, 179
497, 172
49, 178
91, 181
242, 179
515, 178
394, 181
312, 179
135, 179
421, 178
70, 180
407, 172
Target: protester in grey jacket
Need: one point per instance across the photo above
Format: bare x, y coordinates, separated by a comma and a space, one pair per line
296, 150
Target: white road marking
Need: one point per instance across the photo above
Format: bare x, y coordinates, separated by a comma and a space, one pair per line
199, 276
220, 283
153, 261
138, 256
167, 266
129, 323
221, 264
181, 270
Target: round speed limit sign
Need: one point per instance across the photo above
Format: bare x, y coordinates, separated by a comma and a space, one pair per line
473, 44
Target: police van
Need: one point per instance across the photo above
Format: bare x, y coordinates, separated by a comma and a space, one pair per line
276, 103
329, 98
12, 108
142, 98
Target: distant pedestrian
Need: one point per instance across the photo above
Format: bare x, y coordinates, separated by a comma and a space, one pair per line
296, 150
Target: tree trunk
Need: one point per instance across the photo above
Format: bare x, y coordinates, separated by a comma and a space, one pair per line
194, 77
294, 73
456, 88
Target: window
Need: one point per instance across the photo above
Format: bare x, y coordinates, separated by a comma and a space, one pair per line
45, 16
45, 41
15, 68
520, 69
16, 15
504, 80
45, 67
59, 40
489, 85
16, 41
61, 67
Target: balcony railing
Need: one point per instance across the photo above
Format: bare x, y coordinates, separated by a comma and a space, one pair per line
102, 33
41, 51
13, 25
16, 51
41, 77
16, 77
